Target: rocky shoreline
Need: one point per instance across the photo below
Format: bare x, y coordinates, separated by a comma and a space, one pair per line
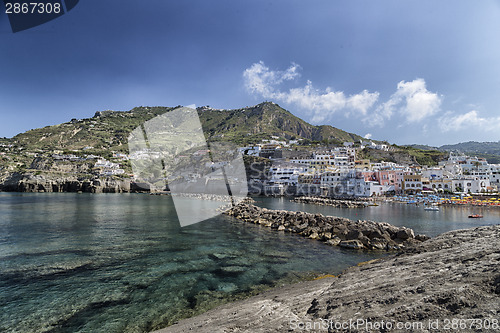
331, 202
452, 279
335, 231
19, 182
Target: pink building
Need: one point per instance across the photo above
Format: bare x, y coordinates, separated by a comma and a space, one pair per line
385, 177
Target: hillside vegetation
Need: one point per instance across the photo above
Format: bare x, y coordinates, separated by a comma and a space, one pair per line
109, 130
487, 150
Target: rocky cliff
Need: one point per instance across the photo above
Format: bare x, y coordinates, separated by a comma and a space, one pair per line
450, 283
28, 182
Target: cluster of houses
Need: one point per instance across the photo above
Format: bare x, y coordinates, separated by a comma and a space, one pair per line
102, 166
273, 148
337, 172
107, 168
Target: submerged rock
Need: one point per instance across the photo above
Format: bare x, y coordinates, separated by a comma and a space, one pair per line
455, 276
352, 244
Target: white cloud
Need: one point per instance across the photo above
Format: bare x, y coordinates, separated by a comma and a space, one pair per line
362, 102
368, 136
260, 80
411, 100
470, 121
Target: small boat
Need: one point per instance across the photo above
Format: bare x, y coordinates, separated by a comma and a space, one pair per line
475, 216
432, 207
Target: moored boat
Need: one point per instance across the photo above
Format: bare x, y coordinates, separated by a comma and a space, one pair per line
475, 216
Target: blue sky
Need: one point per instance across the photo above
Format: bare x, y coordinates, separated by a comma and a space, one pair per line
404, 71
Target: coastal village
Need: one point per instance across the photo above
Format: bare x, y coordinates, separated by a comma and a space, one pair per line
336, 172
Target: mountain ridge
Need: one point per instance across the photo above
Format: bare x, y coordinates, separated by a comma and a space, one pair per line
110, 129
489, 150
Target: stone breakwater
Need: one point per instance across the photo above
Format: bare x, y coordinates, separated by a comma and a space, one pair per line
213, 197
330, 202
335, 231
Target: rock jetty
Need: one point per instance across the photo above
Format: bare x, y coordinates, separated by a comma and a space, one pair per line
450, 283
330, 202
335, 231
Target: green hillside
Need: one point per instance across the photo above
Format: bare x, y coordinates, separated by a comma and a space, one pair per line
109, 130
252, 124
488, 150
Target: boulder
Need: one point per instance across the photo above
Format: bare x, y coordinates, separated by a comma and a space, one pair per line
334, 241
339, 231
405, 234
352, 244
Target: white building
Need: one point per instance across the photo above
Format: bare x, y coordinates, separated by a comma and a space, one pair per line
339, 157
470, 185
333, 177
108, 168
285, 175
111, 172
103, 163
437, 173
250, 150
370, 189
441, 185
494, 175
373, 145
452, 167
474, 164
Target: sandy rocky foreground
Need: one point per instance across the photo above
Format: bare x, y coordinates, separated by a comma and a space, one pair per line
450, 283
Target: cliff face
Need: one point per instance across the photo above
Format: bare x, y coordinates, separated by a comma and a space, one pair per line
18, 182
47, 174
453, 279
48, 164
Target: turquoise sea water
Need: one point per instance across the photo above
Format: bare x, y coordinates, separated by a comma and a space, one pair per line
121, 263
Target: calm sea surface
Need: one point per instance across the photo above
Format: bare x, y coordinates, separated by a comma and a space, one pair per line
121, 263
